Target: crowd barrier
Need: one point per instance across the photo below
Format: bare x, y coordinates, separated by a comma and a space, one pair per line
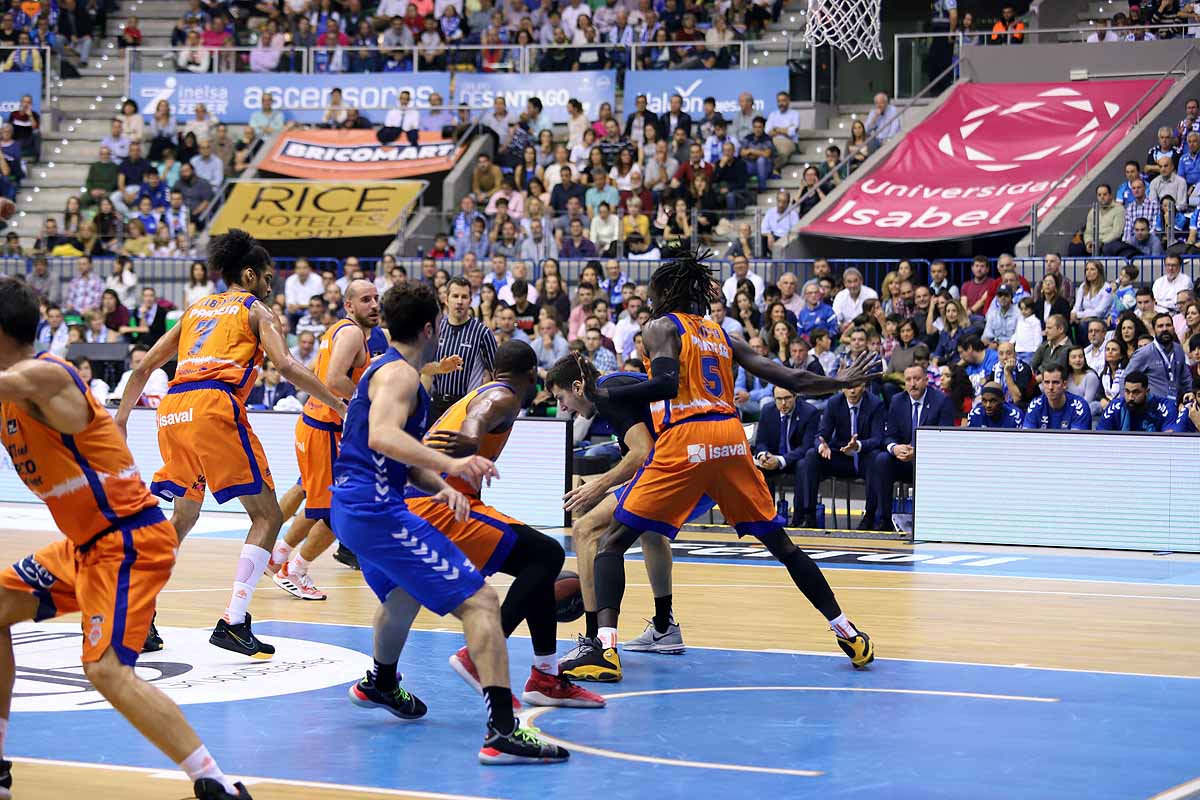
1125, 491
535, 467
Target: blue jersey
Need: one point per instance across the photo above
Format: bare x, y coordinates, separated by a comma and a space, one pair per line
360, 474
377, 342
822, 316
1010, 417
1183, 423
1157, 416
1075, 414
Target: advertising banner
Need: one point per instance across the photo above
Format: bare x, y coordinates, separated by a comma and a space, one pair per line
978, 163
275, 210
693, 85
356, 155
589, 88
303, 98
17, 84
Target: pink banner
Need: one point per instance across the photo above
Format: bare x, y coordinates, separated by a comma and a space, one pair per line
978, 164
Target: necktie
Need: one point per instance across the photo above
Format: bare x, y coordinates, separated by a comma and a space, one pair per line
268, 397
853, 431
916, 411
784, 423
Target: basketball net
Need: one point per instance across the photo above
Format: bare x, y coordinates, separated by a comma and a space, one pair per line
852, 26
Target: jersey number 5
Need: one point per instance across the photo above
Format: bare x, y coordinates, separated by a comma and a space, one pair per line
711, 372
204, 329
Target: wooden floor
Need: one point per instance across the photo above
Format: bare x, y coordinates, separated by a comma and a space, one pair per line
983, 619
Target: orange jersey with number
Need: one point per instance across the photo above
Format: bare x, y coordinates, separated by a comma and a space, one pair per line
216, 343
314, 407
490, 444
705, 374
88, 480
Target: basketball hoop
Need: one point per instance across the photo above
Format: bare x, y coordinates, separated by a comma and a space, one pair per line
849, 25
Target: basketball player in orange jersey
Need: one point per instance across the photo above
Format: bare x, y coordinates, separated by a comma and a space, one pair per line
204, 433
119, 549
701, 450
342, 358
480, 424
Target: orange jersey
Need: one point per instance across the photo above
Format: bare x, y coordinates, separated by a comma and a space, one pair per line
315, 408
88, 480
705, 374
490, 444
217, 344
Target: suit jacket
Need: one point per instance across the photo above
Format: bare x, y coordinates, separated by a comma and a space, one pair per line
664, 121
649, 119
282, 389
937, 410
1059, 306
835, 423
801, 434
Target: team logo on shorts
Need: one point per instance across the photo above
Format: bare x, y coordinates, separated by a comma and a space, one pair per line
12, 426
697, 453
96, 630
711, 452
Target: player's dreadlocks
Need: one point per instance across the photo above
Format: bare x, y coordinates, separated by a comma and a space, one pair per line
684, 284
570, 368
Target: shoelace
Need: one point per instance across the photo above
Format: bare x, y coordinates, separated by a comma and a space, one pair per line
529, 736
401, 694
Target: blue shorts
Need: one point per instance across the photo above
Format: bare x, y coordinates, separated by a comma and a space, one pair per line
396, 548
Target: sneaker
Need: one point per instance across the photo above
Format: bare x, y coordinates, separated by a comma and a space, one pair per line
581, 641
859, 648
544, 689
398, 702
461, 663
594, 663
522, 746
297, 585
343, 555
154, 642
5, 780
208, 789
240, 639
651, 641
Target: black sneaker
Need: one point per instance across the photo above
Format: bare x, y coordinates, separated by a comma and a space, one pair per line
154, 642
399, 702
343, 555
5, 778
208, 789
522, 746
594, 662
240, 639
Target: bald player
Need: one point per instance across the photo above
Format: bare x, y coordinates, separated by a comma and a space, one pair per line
342, 357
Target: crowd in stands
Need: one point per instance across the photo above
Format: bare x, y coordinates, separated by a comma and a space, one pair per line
66, 27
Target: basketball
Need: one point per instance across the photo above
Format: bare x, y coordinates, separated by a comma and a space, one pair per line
568, 597
7, 208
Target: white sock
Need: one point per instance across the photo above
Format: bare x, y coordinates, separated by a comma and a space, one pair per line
843, 627
279, 555
547, 664
298, 565
607, 637
202, 765
250, 566
3, 733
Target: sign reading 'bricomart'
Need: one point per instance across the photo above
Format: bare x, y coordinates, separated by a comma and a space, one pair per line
356, 155
281, 210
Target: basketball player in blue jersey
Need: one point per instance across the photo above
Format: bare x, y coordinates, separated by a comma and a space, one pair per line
406, 561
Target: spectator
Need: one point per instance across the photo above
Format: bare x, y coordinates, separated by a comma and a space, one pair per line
270, 388
977, 293
741, 272
1168, 184
1138, 408
123, 281
549, 345
267, 121
939, 281
1053, 351
149, 321
565, 190
156, 385
1050, 300
1164, 362
601, 357
848, 303
815, 314
52, 333
305, 350
1094, 298
27, 128
779, 222
850, 434
1189, 160
992, 411
576, 245
600, 192
195, 193
1014, 376
676, 118
485, 178
750, 391
267, 52
199, 284
98, 387
1096, 334
1056, 408
785, 436
102, 177
918, 405
1138, 206
300, 287
1008, 29
1133, 172
606, 229
313, 319
1105, 222
1168, 286
883, 123
782, 125
1141, 243
84, 290
1081, 380
194, 57
1163, 148
207, 166
202, 125
1145, 307
978, 360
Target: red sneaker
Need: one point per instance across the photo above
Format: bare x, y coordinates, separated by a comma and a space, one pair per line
543, 689
461, 663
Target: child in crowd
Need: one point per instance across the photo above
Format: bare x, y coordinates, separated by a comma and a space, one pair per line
1028, 336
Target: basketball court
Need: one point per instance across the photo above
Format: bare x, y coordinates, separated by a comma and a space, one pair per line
1001, 672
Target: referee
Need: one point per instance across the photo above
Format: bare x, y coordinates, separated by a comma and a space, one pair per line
461, 334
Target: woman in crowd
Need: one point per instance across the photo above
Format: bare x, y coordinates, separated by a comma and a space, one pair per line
168, 168
955, 384
1050, 300
1093, 299
1191, 323
161, 130
811, 192
72, 216
269, 49
1129, 328
858, 146
678, 222
487, 304
528, 170
605, 231
901, 359
87, 241
623, 171
553, 296
131, 121
954, 325
1081, 380
537, 191
116, 315
99, 388
745, 312
708, 204
137, 243
545, 149
1111, 374
778, 337
123, 280
198, 285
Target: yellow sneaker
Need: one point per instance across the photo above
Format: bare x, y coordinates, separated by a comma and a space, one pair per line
859, 648
593, 663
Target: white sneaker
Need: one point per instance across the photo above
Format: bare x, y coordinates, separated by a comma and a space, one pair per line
651, 641
297, 585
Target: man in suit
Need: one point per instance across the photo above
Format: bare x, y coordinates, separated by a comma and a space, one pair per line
919, 405
1164, 362
675, 117
639, 120
849, 436
271, 389
786, 433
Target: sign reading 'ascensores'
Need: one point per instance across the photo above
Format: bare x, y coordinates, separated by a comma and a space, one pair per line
356, 155
278, 210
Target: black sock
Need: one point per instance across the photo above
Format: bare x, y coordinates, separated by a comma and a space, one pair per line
385, 677
499, 705
592, 629
804, 572
662, 613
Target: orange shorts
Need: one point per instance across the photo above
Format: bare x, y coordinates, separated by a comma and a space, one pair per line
206, 442
317, 446
486, 538
691, 459
114, 585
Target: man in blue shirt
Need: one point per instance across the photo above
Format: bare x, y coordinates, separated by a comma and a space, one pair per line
1138, 410
1056, 408
816, 314
992, 411
978, 359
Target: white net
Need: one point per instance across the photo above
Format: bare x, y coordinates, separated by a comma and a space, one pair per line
849, 25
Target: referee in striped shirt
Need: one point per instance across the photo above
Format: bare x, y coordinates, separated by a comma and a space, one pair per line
461, 334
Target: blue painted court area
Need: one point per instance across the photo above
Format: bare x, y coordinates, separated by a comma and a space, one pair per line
708, 724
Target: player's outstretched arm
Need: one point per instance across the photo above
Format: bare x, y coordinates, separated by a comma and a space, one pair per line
801, 381
163, 351
263, 321
50, 391
661, 339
